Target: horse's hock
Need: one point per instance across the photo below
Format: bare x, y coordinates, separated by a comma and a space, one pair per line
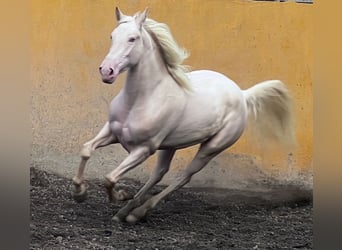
248, 41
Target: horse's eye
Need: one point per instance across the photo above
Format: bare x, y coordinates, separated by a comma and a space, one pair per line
132, 40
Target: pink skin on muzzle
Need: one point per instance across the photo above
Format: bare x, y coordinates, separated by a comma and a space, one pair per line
108, 73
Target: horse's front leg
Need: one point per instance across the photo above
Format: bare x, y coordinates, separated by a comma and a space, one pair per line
136, 157
103, 138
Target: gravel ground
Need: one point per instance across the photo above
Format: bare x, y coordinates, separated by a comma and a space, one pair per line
281, 218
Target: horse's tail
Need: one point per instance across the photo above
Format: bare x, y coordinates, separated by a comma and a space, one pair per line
271, 105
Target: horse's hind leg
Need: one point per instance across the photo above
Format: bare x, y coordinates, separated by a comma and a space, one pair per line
162, 167
200, 160
103, 138
208, 150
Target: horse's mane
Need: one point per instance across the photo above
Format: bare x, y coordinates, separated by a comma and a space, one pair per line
172, 54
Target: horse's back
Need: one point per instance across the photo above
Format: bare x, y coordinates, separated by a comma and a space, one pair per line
213, 82
214, 85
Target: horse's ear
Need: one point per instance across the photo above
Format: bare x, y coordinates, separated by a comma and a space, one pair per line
118, 14
141, 17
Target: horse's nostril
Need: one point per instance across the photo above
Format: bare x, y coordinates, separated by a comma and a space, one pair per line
106, 71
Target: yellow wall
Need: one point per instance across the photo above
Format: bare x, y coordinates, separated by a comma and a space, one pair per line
248, 41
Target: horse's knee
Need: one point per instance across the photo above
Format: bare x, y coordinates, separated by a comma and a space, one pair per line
86, 151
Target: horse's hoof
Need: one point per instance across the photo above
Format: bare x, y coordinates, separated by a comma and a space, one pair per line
122, 195
80, 197
116, 219
131, 219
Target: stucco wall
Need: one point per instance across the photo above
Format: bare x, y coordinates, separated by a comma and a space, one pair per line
248, 41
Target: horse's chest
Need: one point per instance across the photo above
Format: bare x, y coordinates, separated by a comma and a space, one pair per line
121, 132
135, 125
131, 133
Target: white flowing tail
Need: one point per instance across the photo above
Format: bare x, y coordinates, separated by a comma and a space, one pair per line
271, 105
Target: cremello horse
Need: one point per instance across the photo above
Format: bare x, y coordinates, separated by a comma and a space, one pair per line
163, 108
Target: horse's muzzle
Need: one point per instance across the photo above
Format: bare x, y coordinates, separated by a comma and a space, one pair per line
108, 74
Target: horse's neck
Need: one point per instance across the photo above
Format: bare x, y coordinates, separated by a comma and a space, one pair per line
149, 76
146, 74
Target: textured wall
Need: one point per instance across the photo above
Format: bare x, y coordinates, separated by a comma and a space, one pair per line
248, 41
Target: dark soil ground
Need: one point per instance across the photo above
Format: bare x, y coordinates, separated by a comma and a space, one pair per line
187, 219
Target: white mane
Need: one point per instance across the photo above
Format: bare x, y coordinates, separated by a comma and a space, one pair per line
172, 54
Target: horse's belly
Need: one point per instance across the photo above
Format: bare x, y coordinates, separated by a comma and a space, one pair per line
182, 140
193, 129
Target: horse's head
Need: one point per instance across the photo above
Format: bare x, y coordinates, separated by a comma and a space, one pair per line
126, 48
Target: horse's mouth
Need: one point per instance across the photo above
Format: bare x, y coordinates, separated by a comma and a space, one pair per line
108, 80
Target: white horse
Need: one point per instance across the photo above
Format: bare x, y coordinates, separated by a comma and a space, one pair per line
163, 108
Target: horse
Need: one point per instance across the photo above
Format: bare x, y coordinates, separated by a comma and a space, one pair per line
163, 106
